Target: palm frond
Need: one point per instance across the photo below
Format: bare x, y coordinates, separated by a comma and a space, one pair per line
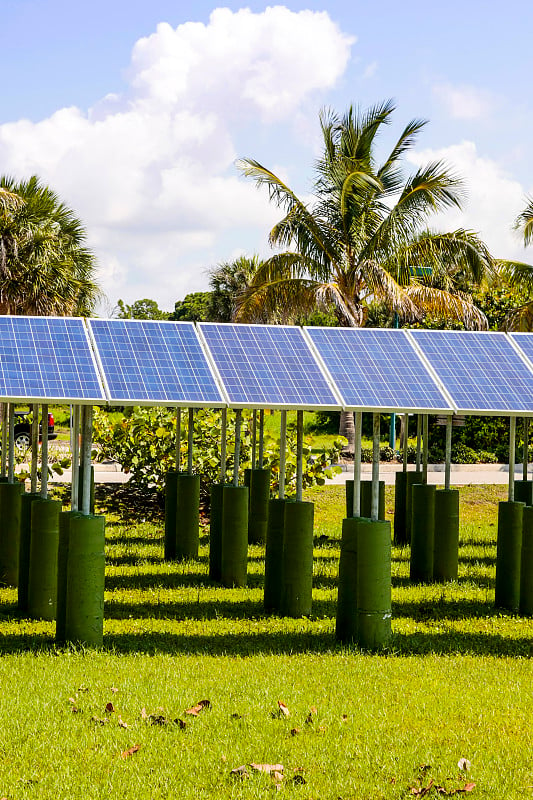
446, 305
524, 222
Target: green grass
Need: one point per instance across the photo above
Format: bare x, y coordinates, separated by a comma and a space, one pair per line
456, 682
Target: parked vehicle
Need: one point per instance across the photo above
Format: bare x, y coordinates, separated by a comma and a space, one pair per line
23, 430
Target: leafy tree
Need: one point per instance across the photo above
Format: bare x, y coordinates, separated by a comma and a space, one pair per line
141, 309
365, 237
45, 267
228, 281
520, 275
194, 307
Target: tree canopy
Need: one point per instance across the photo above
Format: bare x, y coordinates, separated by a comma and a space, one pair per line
45, 266
364, 237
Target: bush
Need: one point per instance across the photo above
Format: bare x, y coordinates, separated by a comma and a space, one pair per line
461, 454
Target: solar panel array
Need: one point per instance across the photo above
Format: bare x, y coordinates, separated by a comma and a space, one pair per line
47, 358
152, 362
482, 372
267, 365
136, 362
377, 369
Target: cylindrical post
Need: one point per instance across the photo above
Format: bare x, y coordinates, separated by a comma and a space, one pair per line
187, 515
4, 439
234, 556
508, 555
512, 446
223, 443
238, 422
299, 455
44, 450
11, 463
373, 584
84, 622
392, 431
374, 509
254, 437
346, 621
35, 447
178, 440
422, 533
297, 580
526, 565
65, 522
215, 531
261, 438
274, 554
405, 440
446, 536
525, 453
190, 434
10, 511
75, 473
258, 505
448, 464
171, 510
282, 453
425, 449
44, 547
358, 424
418, 441
86, 459
27, 500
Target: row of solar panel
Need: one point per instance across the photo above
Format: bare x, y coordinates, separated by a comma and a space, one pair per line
146, 362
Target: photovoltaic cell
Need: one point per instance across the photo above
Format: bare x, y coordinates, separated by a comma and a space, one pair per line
377, 369
481, 371
47, 358
267, 365
147, 361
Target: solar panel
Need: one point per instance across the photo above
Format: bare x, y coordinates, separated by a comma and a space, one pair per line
524, 341
481, 371
269, 366
151, 362
377, 369
47, 358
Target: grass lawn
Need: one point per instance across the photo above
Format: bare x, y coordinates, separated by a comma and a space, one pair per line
457, 683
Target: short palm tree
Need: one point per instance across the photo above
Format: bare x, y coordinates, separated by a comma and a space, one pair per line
45, 267
364, 237
520, 275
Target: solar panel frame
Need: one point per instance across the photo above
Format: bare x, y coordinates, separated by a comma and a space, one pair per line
38, 354
343, 371
177, 389
504, 366
240, 331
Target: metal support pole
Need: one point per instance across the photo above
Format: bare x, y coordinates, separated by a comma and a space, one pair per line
11, 462
392, 432
358, 425
44, 450
86, 446
418, 441
190, 433
34, 447
374, 508
178, 439
223, 435
299, 454
4, 439
405, 440
261, 437
238, 421
282, 453
254, 437
448, 464
75, 470
525, 456
512, 445
425, 449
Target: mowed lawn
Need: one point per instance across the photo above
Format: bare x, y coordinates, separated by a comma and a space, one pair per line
122, 723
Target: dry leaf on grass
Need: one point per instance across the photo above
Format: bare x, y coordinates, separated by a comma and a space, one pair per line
195, 710
127, 753
110, 708
283, 709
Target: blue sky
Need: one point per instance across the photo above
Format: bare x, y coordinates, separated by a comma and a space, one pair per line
138, 124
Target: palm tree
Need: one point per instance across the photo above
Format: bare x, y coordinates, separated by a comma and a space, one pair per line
227, 281
365, 238
45, 267
519, 275
524, 222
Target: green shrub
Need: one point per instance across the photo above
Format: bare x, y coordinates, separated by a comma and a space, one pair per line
461, 454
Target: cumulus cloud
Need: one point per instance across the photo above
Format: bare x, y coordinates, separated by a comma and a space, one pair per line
151, 172
494, 199
464, 102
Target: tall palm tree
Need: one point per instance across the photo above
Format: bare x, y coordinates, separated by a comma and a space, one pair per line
227, 281
364, 238
520, 275
45, 267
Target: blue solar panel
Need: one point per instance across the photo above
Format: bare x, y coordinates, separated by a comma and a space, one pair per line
481, 371
47, 358
525, 342
146, 361
377, 369
267, 365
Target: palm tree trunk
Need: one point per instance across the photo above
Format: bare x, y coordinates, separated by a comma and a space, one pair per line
347, 429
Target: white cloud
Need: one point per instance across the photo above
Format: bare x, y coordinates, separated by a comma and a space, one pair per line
464, 102
152, 173
494, 199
